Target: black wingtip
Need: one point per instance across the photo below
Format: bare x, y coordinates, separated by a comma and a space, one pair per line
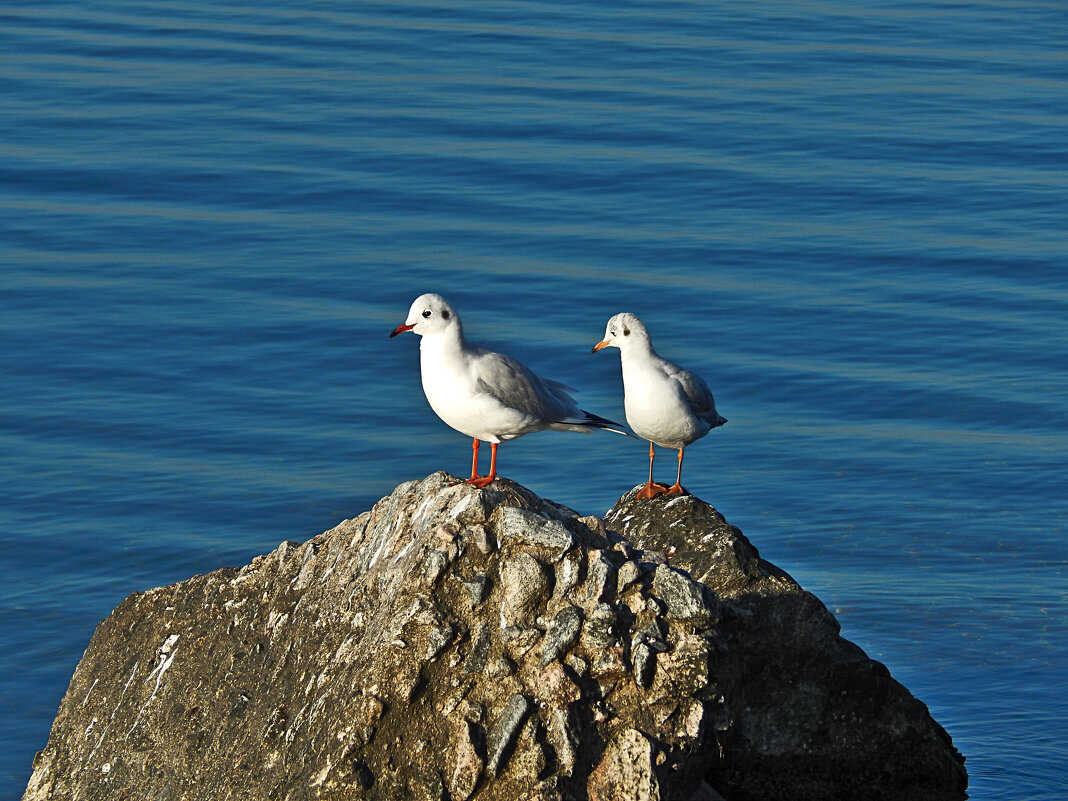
603, 423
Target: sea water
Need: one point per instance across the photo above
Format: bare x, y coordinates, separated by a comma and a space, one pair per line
850, 219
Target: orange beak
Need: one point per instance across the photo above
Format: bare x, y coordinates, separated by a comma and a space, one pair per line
602, 344
400, 329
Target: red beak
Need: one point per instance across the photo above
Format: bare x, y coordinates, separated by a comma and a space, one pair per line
400, 329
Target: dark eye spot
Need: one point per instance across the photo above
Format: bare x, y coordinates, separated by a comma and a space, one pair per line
444, 315
626, 332
427, 313
612, 333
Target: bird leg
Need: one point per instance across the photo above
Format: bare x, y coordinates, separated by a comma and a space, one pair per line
676, 488
474, 458
481, 481
651, 489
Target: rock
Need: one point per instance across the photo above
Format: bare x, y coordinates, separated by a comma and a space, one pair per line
562, 633
437, 639
562, 735
467, 763
365, 713
479, 653
502, 735
599, 628
625, 771
653, 636
684, 597
436, 563
455, 643
483, 539
601, 578
476, 588
500, 667
530, 758
568, 575
805, 713
525, 584
579, 665
530, 528
644, 664
627, 575
556, 690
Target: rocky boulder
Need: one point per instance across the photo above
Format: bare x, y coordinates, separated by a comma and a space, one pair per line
455, 643
812, 717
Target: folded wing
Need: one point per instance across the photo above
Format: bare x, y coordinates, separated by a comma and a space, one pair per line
699, 396
517, 386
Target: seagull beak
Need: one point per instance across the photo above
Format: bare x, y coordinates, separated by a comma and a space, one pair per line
602, 344
400, 329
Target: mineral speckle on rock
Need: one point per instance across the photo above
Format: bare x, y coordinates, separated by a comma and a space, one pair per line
476, 587
627, 762
601, 578
525, 582
483, 539
599, 629
684, 597
568, 575
491, 645
527, 527
467, 762
562, 633
480, 647
644, 664
502, 735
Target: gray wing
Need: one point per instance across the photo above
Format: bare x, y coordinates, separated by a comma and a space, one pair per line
697, 393
517, 386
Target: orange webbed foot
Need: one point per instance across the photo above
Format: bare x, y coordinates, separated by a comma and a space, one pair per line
651, 490
480, 481
675, 489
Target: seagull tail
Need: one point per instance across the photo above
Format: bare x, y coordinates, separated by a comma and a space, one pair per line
591, 421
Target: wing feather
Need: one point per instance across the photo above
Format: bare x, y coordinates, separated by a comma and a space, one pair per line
697, 393
517, 386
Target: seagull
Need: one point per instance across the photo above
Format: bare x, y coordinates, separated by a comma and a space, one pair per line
486, 395
664, 403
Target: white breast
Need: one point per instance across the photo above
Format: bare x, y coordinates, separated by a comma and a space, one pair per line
656, 407
452, 392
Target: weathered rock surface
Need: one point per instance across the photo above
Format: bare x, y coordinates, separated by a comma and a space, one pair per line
808, 715
455, 644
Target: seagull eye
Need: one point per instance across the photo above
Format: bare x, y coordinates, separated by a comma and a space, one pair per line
612, 333
428, 313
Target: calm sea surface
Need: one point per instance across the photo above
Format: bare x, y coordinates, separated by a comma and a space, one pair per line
851, 219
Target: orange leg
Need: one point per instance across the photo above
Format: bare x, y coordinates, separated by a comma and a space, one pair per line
651, 489
676, 488
474, 459
482, 481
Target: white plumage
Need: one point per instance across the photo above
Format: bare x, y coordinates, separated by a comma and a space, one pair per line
665, 404
486, 395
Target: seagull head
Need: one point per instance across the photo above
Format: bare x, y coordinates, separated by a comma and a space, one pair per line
429, 314
623, 330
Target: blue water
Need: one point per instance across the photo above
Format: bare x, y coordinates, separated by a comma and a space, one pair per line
851, 220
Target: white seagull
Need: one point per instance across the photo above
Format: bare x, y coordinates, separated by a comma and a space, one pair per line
664, 403
486, 395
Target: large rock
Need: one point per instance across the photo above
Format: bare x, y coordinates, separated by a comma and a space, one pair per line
810, 715
456, 644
